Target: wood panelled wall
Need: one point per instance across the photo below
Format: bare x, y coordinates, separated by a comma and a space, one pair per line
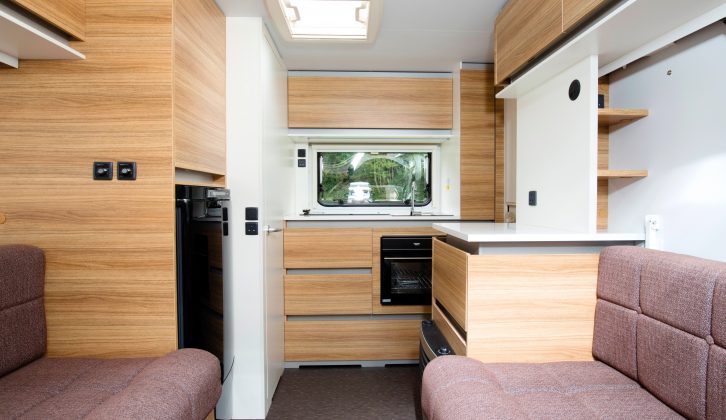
110, 283
477, 145
603, 157
370, 102
66, 15
200, 112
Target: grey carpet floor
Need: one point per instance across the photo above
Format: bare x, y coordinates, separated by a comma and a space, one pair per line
348, 393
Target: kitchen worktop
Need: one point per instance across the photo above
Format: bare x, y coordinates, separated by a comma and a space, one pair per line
476, 232
368, 217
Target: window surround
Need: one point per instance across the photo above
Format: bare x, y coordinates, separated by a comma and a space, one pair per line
435, 176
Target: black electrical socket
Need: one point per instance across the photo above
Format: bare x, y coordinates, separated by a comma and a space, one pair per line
533, 198
126, 171
301, 163
301, 153
103, 171
250, 228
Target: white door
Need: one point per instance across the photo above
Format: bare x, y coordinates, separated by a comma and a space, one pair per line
277, 189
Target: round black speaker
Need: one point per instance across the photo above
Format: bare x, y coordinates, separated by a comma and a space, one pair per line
574, 89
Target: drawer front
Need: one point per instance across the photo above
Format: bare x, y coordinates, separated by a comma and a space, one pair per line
449, 280
447, 330
328, 294
352, 340
328, 248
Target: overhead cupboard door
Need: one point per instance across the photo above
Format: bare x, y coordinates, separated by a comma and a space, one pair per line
66, 15
370, 102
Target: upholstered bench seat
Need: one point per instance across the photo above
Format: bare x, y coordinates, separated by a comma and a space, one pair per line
184, 384
659, 343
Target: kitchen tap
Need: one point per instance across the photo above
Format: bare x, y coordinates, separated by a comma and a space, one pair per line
413, 199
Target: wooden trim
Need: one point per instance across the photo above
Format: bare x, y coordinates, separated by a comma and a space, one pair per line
603, 157
376, 283
211, 416
199, 114
500, 207
328, 248
67, 15
327, 294
370, 102
450, 273
531, 308
352, 340
477, 145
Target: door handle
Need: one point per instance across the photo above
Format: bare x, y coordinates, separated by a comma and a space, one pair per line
268, 229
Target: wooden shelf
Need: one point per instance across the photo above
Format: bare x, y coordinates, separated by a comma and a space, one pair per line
615, 116
621, 173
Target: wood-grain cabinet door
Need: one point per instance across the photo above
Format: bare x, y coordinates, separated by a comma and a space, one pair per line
328, 248
575, 11
449, 278
522, 30
67, 15
329, 294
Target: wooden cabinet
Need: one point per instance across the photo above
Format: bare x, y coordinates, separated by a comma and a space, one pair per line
515, 308
328, 248
389, 339
319, 294
370, 102
576, 11
199, 87
67, 15
477, 144
522, 30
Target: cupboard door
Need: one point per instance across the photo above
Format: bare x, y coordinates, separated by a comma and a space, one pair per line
328, 248
450, 281
67, 15
200, 134
390, 339
575, 11
522, 30
370, 102
328, 294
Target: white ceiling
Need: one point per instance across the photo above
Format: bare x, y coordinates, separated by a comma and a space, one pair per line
415, 35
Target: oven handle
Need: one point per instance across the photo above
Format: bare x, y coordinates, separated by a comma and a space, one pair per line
406, 258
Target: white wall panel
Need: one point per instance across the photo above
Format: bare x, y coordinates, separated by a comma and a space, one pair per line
557, 151
682, 144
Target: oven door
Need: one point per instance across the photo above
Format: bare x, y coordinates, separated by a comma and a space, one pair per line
406, 278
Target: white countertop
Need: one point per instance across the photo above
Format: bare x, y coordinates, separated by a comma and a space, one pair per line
512, 232
364, 217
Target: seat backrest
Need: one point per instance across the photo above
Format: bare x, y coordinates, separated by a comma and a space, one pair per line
22, 315
660, 318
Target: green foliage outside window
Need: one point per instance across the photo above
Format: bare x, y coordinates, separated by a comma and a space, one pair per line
373, 178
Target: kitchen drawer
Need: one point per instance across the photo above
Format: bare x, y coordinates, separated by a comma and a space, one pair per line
328, 294
457, 343
386, 339
328, 248
450, 271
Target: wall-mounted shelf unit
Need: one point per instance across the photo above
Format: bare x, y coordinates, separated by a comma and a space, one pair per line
616, 116
621, 173
23, 38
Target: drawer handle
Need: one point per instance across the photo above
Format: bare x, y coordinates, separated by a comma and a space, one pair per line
406, 258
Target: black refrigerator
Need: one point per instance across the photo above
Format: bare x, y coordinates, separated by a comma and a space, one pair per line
202, 222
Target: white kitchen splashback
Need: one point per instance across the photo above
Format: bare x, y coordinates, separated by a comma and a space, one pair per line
557, 151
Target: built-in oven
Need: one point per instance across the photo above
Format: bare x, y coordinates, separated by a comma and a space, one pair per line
405, 270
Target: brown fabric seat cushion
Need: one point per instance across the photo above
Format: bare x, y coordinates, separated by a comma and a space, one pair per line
22, 317
457, 387
183, 384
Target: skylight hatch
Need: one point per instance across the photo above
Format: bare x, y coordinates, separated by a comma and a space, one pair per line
344, 20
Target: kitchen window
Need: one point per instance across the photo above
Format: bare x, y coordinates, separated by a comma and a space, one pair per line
353, 178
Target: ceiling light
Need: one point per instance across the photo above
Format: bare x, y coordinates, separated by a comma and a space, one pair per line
346, 20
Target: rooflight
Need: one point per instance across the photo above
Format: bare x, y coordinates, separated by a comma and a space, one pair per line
328, 19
